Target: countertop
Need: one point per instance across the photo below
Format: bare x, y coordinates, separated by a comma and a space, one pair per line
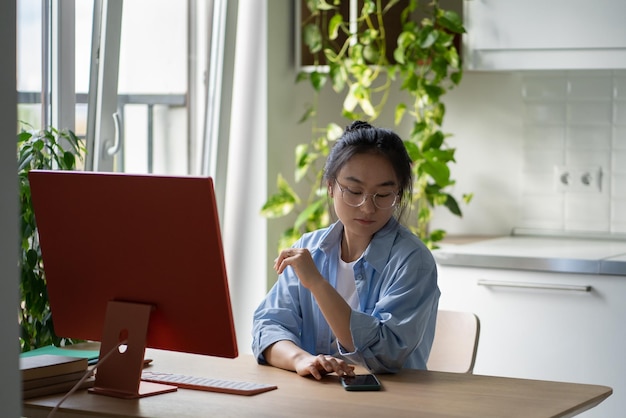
553, 254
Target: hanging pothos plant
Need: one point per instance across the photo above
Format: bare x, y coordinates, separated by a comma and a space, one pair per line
43, 149
363, 61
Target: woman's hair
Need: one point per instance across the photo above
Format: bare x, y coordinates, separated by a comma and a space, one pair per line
362, 138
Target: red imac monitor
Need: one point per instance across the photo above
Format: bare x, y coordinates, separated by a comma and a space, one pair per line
134, 260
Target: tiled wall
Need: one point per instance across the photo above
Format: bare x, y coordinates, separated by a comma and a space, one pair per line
575, 123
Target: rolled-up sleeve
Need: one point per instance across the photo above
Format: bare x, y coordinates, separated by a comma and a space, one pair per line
276, 317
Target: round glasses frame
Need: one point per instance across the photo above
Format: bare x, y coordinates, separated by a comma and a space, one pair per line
354, 196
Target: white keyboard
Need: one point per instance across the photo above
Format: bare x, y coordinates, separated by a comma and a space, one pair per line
207, 384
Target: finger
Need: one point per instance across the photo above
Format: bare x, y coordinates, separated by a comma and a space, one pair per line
346, 370
315, 372
350, 370
329, 363
282, 266
340, 367
279, 263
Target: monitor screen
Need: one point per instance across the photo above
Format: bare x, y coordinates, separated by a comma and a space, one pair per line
145, 239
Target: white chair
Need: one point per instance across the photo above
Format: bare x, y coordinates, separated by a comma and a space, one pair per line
455, 343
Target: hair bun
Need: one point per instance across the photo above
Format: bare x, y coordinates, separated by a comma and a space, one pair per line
356, 125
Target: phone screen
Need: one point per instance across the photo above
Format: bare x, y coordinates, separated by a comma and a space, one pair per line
361, 382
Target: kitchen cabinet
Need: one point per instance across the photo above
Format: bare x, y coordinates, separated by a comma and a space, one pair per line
540, 35
546, 325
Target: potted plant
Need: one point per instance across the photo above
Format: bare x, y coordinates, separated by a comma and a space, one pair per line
407, 44
45, 149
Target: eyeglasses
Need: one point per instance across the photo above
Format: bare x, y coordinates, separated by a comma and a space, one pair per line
356, 199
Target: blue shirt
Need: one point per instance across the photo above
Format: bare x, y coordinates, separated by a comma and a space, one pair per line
396, 281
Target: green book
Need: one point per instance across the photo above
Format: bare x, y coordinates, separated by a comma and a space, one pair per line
90, 354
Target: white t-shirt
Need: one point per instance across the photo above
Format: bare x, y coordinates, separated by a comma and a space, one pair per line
346, 285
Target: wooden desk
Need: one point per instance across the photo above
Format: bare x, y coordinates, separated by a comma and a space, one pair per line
411, 393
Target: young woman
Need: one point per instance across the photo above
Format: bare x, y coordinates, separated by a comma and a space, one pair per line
362, 291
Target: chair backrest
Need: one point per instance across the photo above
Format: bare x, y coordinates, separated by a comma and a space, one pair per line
456, 342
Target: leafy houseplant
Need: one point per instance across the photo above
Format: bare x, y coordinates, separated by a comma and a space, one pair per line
44, 149
363, 61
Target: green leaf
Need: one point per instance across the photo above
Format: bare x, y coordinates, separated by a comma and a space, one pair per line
301, 76
308, 212
312, 38
437, 170
39, 144
456, 77
452, 205
444, 41
308, 113
350, 115
434, 92
277, 206
32, 258
443, 155
322, 5
304, 160
371, 53
453, 58
450, 20
398, 55
433, 141
282, 202
333, 26
351, 101
405, 40
369, 7
367, 107
437, 235
339, 76
428, 37
400, 110
413, 150
23, 136
318, 80
69, 161
368, 36
331, 55
333, 131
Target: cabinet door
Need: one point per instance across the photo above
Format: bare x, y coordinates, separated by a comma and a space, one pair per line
538, 34
563, 333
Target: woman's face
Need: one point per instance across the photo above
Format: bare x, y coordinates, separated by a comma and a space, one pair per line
365, 175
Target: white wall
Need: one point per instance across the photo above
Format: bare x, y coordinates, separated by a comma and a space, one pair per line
483, 115
512, 130
10, 394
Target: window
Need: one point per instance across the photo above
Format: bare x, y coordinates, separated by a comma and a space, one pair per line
137, 94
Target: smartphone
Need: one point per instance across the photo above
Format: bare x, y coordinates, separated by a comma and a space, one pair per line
360, 382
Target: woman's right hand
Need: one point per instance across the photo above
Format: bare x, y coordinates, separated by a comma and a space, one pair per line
320, 365
287, 355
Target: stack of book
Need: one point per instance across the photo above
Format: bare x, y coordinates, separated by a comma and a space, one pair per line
48, 374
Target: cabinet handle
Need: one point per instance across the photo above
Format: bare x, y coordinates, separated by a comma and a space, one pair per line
526, 285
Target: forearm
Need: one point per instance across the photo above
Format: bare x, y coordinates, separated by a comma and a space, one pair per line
336, 311
284, 354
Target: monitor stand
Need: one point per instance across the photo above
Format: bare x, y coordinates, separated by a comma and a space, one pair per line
124, 336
